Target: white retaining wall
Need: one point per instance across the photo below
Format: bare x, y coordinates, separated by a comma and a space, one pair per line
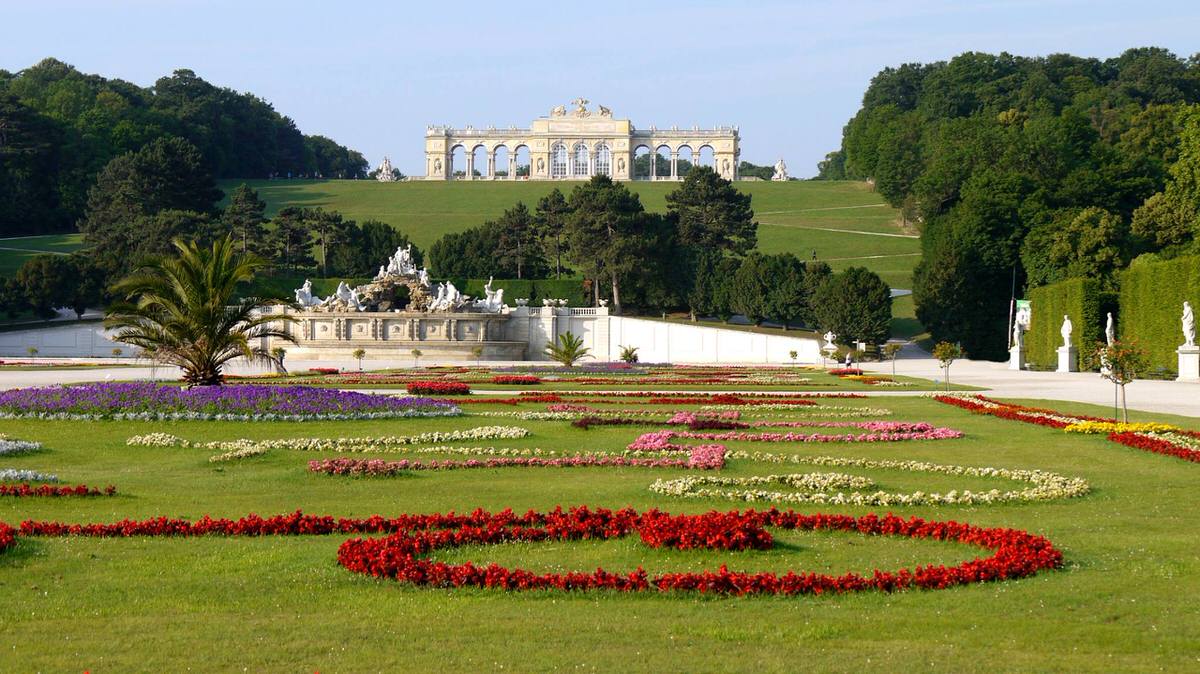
74, 340
657, 341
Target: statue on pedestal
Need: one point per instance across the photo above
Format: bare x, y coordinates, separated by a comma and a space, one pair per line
1189, 326
1018, 336
385, 174
1066, 330
780, 170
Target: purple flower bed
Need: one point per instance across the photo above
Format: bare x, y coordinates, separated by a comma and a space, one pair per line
144, 400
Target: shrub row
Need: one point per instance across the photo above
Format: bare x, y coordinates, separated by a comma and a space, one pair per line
1152, 296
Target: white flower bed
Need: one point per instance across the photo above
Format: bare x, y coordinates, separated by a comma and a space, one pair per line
10, 446
1045, 485
387, 443
235, 454
16, 475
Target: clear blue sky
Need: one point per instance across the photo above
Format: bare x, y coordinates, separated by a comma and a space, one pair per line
371, 75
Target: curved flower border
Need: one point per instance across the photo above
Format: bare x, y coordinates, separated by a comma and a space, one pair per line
1045, 485
400, 554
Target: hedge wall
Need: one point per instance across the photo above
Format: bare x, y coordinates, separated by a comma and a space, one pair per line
1152, 296
1081, 299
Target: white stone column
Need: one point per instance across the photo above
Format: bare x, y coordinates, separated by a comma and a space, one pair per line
512, 164
469, 171
654, 164
491, 167
674, 165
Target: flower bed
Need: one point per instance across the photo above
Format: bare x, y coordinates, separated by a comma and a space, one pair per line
22, 490
12, 446
22, 475
517, 379
148, 401
400, 555
844, 371
880, 431
438, 388
703, 457
382, 443
817, 487
1151, 437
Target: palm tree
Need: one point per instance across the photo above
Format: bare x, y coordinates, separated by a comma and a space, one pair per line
568, 350
182, 309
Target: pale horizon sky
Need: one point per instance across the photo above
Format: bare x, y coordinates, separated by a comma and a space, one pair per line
372, 75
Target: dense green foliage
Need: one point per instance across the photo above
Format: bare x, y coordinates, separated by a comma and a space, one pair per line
1030, 167
1152, 297
856, 305
1084, 301
61, 127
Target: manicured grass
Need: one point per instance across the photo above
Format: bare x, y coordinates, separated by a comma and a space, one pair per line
15, 251
1124, 601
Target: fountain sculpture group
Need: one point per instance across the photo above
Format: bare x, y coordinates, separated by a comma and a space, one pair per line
402, 309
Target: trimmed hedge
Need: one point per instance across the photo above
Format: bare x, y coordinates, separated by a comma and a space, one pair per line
1152, 297
1080, 298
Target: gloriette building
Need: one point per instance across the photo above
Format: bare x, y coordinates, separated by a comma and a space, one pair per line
575, 144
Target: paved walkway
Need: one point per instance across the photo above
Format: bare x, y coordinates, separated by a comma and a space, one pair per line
1171, 397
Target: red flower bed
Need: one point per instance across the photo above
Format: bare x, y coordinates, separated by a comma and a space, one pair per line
1016, 553
400, 554
54, 490
438, 388
323, 370
1156, 445
843, 371
517, 379
8, 537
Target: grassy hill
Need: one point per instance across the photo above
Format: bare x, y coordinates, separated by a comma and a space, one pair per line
16, 250
846, 223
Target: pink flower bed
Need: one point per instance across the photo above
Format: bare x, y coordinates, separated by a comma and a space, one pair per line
882, 431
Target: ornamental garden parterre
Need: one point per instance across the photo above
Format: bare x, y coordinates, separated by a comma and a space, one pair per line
732, 495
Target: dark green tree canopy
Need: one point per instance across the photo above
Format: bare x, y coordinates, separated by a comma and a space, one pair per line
711, 214
855, 304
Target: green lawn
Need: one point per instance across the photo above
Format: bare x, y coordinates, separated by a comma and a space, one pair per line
1125, 601
15, 251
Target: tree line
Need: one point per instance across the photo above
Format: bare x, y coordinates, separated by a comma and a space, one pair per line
1026, 171
698, 257
59, 127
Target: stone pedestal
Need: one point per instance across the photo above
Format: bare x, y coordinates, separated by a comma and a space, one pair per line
1016, 358
1068, 359
1189, 363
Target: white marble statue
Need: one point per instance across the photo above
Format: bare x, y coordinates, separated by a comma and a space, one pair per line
382, 273
1018, 335
1066, 330
1189, 326
1110, 333
385, 174
493, 300
423, 277
347, 295
447, 299
401, 262
304, 296
780, 170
